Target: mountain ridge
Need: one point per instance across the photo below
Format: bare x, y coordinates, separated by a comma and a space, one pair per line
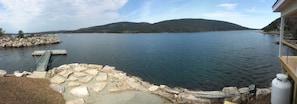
171, 26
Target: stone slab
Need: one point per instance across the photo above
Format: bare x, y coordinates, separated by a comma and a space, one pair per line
79, 74
79, 68
66, 73
72, 84
244, 90
57, 88
85, 79
101, 77
80, 91
99, 86
76, 101
92, 71
229, 91
95, 66
57, 79
106, 67
72, 78
153, 88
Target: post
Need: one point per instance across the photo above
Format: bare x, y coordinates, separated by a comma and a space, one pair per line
282, 28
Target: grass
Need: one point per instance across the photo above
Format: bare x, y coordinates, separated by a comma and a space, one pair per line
22, 90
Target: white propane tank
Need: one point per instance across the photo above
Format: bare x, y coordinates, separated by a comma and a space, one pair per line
281, 90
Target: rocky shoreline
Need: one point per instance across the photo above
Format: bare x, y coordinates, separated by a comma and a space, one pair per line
9, 41
87, 83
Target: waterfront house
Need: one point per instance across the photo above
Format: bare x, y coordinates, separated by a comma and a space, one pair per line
287, 9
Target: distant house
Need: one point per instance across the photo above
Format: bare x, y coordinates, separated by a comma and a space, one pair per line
287, 9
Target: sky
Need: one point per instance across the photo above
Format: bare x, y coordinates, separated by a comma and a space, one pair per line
47, 15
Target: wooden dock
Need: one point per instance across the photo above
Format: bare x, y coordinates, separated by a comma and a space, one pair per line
45, 56
54, 52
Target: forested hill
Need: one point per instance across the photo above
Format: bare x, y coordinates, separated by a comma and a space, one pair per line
172, 26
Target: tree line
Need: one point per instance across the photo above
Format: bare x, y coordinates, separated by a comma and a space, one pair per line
20, 33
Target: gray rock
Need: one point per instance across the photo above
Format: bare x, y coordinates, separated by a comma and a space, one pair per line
244, 90
80, 91
85, 79
262, 92
57, 79
230, 91
76, 101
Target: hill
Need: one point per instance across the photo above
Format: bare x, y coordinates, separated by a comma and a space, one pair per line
273, 27
178, 25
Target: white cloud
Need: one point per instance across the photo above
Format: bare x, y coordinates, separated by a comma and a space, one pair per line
228, 6
43, 15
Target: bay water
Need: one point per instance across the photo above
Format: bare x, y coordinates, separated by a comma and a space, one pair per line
202, 60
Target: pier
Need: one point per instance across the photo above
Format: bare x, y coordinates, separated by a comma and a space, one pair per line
45, 56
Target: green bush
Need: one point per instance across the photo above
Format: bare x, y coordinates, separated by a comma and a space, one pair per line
1, 32
21, 34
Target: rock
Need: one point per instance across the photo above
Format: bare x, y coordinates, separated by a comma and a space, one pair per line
101, 77
153, 88
2, 73
17, 74
57, 88
85, 79
79, 74
76, 101
99, 67
236, 99
106, 67
79, 68
230, 91
92, 71
28, 41
208, 94
72, 84
171, 91
190, 99
37, 74
244, 90
262, 92
57, 79
64, 67
66, 73
113, 90
72, 78
99, 86
80, 91
162, 86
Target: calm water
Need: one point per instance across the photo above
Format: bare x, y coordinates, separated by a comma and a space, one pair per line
205, 60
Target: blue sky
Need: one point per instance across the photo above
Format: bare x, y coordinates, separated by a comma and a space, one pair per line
45, 15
